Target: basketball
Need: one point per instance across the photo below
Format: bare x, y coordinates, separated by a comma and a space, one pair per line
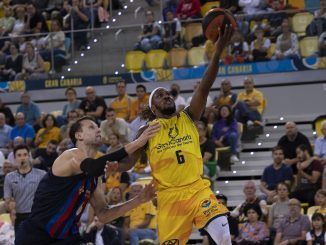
214, 19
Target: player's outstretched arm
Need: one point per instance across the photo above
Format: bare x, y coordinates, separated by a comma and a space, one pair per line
199, 98
107, 214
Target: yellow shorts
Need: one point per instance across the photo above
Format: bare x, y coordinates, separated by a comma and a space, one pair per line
180, 209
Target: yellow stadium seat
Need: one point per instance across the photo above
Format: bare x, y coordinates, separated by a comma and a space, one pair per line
193, 30
208, 6
312, 210
271, 50
177, 57
56, 113
300, 21
308, 46
299, 4
197, 56
134, 60
47, 66
318, 123
155, 59
49, 24
5, 218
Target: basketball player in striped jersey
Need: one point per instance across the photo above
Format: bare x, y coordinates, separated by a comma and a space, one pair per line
184, 197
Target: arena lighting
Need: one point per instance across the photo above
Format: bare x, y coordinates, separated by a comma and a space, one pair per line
119, 13
88, 47
76, 62
314, 133
217, 192
95, 40
234, 172
226, 182
275, 127
281, 118
62, 77
243, 162
267, 135
122, 65
160, 22
125, 7
113, 20
251, 153
131, 1
69, 69
116, 72
107, 27
195, 66
82, 54
259, 144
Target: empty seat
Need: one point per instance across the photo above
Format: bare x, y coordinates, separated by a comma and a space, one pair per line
134, 61
47, 66
308, 46
208, 6
271, 50
300, 22
156, 59
177, 57
196, 56
299, 4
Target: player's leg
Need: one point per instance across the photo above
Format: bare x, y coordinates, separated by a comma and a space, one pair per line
219, 230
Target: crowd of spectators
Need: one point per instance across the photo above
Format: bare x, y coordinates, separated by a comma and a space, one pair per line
34, 140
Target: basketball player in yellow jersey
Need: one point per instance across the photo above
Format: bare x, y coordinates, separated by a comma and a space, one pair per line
184, 198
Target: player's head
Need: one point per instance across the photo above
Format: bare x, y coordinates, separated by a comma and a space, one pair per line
85, 131
21, 154
161, 102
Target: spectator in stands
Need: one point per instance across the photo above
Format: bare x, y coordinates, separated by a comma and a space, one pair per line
122, 103
50, 131
114, 143
5, 131
73, 103
251, 7
23, 130
30, 109
233, 224
276, 5
207, 146
80, 21
35, 20
33, 65
287, 44
20, 185
114, 178
99, 14
322, 44
139, 223
253, 231
320, 145
150, 38
209, 101
237, 50
231, 5
7, 22
99, 233
45, 157
250, 105
64, 145
93, 105
141, 168
114, 125
276, 16
16, 142
226, 96
279, 209
225, 131
310, 173
249, 190
138, 104
180, 102
54, 44
14, 64
10, 119
171, 31
318, 233
259, 47
64, 129
320, 200
274, 174
188, 9
289, 143
294, 227
20, 22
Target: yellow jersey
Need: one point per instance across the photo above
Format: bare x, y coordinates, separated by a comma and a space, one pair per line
174, 153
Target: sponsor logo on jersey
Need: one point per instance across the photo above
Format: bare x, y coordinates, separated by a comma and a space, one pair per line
171, 242
206, 203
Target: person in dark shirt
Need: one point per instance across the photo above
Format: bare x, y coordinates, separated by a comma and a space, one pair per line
289, 143
45, 157
72, 183
35, 20
231, 5
14, 64
309, 175
10, 120
93, 105
207, 147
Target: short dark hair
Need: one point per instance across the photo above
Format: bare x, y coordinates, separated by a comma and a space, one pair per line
316, 216
141, 86
284, 184
53, 142
277, 148
70, 89
20, 147
222, 197
109, 109
46, 118
304, 147
76, 127
120, 81
253, 206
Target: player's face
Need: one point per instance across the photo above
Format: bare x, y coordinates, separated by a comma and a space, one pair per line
90, 134
21, 156
164, 102
278, 156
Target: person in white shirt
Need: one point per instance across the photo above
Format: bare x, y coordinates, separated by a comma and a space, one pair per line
209, 98
179, 101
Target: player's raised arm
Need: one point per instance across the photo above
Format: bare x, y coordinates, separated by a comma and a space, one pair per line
199, 98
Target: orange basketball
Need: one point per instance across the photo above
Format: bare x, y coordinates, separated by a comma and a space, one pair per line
214, 19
